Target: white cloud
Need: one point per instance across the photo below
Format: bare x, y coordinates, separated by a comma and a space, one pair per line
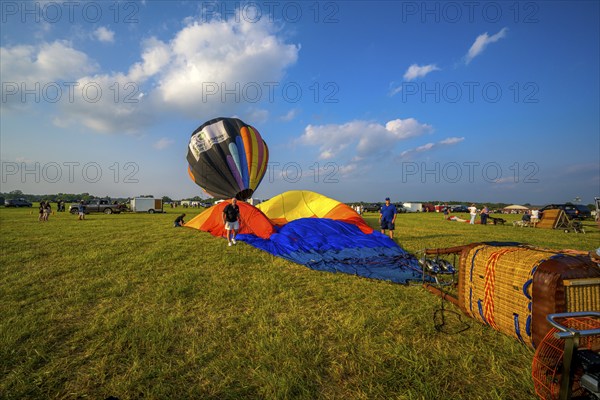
108, 104
170, 76
162, 143
290, 115
326, 154
209, 60
45, 63
104, 35
425, 147
505, 180
364, 138
430, 146
481, 43
407, 128
33, 68
393, 89
416, 71
258, 116
156, 55
452, 140
348, 169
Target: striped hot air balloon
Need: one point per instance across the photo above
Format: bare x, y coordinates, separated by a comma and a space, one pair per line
227, 158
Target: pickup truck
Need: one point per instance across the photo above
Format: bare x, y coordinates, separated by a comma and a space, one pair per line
17, 203
103, 206
374, 207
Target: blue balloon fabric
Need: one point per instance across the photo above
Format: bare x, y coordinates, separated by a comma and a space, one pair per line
336, 246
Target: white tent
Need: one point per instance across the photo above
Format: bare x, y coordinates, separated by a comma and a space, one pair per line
515, 208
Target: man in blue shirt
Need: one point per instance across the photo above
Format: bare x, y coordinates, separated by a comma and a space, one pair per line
81, 210
387, 217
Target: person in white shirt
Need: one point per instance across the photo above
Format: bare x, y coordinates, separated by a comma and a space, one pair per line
473, 212
535, 216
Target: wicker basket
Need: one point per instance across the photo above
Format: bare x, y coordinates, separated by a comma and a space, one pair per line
549, 218
513, 287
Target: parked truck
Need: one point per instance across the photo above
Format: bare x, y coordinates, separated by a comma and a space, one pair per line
20, 202
146, 204
97, 205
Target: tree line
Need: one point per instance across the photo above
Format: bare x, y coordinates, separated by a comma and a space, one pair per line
76, 197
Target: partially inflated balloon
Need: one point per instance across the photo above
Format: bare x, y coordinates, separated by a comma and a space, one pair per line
227, 158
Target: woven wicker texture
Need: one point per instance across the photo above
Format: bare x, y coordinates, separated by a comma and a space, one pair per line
549, 218
513, 287
498, 287
582, 294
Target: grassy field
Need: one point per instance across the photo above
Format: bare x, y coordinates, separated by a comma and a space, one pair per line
127, 306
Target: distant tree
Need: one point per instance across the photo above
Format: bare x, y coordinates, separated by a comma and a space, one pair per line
167, 199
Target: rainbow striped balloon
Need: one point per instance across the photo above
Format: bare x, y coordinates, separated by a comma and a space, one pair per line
227, 158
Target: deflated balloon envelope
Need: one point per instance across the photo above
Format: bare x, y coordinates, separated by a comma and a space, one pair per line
227, 158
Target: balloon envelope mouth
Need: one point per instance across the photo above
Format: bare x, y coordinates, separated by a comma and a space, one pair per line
244, 194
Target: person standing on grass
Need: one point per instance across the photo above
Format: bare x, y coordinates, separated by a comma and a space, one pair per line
231, 216
47, 210
535, 216
387, 217
484, 215
41, 211
473, 212
81, 210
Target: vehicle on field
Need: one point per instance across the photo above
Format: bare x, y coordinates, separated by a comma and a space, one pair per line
413, 207
583, 212
428, 207
97, 205
146, 204
459, 208
400, 208
373, 207
20, 202
573, 211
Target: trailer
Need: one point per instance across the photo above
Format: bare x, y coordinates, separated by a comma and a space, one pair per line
413, 207
147, 204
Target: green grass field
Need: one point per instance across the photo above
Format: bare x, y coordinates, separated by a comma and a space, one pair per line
125, 305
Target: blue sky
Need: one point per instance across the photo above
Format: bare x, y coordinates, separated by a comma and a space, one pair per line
470, 101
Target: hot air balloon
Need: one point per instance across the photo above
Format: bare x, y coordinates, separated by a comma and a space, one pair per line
319, 232
227, 158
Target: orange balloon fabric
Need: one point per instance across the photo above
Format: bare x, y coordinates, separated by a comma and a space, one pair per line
252, 220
